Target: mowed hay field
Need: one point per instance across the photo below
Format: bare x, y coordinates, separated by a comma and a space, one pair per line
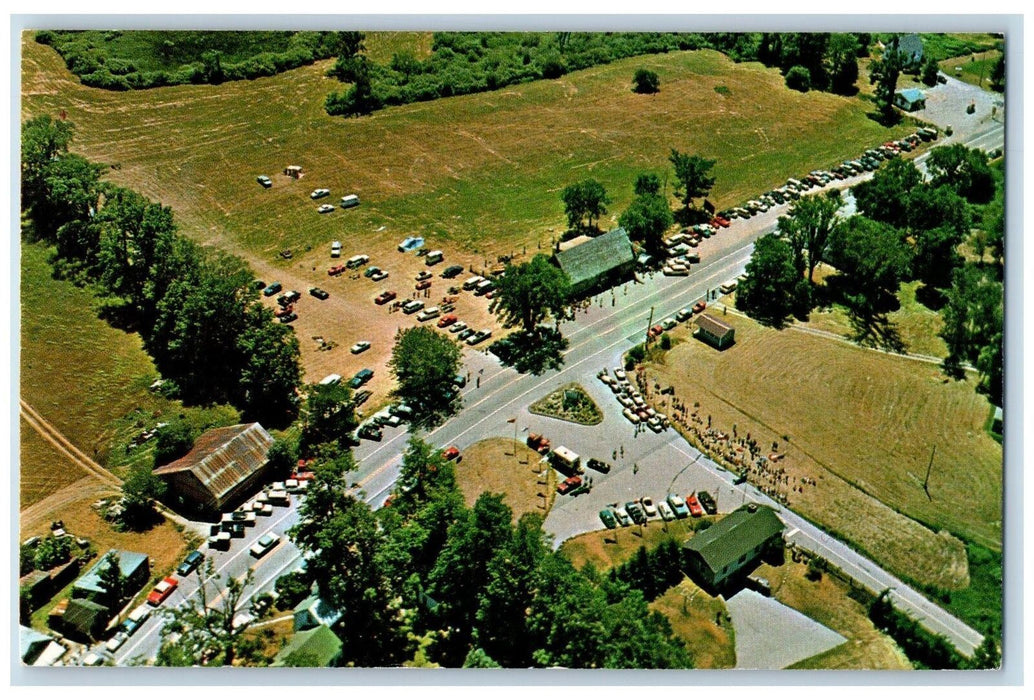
862, 424
490, 465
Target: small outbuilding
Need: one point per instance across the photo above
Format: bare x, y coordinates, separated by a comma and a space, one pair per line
85, 619
910, 100
135, 568
714, 332
313, 612
598, 263
224, 467
294, 171
38, 649
732, 545
318, 647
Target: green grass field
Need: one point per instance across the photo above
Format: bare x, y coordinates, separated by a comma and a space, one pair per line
483, 171
976, 69
942, 46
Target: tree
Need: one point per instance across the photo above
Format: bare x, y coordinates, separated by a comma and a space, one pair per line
271, 368
767, 292
477, 658
584, 200
691, 172
113, 582
798, 78
808, 226
871, 259
884, 197
647, 183
329, 415
998, 74
424, 363
929, 75
282, 458
43, 141
842, 63
964, 169
884, 73
172, 441
645, 82
972, 329
69, 192
424, 472
203, 626
139, 492
52, 551
529, 293
646, 220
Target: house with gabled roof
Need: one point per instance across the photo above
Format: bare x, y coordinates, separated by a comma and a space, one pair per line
732, 545
598, 262
314, 648
222, 469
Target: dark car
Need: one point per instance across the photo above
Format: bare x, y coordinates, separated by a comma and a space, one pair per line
707, 502
608, 518
192, 561
599, 466
635, 511
451, 271
258, 285
371, 271
289, 318
463, 335
319, 293
369, 431
360, 397
272, 289
360, 378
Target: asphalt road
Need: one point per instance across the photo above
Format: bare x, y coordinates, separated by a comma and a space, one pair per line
653, 464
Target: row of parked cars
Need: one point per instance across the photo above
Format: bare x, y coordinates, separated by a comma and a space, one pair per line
867, 162
672, 508
635, 408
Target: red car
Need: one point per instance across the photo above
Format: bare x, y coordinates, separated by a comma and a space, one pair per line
336, 270
695, 509
451, 452
656, 331
720, 221
446, 320
162, 591
699, 306
302, 476
384, 297
423, 285
569, 484
284, 311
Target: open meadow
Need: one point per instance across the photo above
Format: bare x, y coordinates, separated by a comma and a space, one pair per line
857, 429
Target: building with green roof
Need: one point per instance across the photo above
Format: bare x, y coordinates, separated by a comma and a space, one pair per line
314, 648
732, 545
598, 263
135, 567
85, 619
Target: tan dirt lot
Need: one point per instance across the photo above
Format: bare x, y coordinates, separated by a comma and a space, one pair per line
491, 466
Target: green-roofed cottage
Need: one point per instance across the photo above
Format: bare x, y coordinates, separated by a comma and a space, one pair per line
910, 99
84, 619
732, 545
135, 567
597, 263
315, 648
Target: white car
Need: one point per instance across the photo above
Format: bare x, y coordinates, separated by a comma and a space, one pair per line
116, 642
324, 208
265, 544
335, 249
321, 192
622, 517
361, 346
665, 511
619, 373
649, 507
457, 327
379, 275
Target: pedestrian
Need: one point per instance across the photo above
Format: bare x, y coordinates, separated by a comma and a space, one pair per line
635, 469
622, 452
614, 455
478, 384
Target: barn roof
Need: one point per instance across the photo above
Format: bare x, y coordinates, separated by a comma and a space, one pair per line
128, 563
912, 94
83, 615
738, 533
713, 326
224, 457
584, 263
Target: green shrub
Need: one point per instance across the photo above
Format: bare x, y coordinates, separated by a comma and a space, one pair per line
798, 78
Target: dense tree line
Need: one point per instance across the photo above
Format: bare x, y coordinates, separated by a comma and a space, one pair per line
196, 310
135, 60
479, 589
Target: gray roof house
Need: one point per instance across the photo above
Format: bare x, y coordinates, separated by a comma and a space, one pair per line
910, 46
732, 545
134, 566
597, 263
313, 612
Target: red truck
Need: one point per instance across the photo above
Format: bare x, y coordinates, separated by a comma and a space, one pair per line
569, 484
539, 443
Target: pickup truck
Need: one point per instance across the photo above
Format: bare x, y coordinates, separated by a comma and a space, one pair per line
569, 484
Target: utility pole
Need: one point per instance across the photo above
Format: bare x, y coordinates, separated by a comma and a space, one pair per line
648, 324
926, 481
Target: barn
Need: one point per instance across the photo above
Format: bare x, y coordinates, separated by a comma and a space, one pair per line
714, 332
732, 545
597, 263
223, 468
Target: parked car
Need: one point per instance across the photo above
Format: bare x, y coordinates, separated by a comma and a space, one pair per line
361, 346
369, 431
635, 512
371, 271
265, 544
678, 505
357, 261
360, 397
457, 327
655, 331
318, 193
325, 208
450, 453
622, 517
283, 311
423, 285
319, 293
162, 591
707, 502
683, 314
665, 510
608, 518
598, 465
360, 378
379, 275
411, 307
272, 289
569, 484
648, 507
384, 297
446, 320
335, 249
289, 298
695, 509
428, 313
336, 270
465, 334
668, 324
411, 243
264, 181
699, 306
479, 336
452, 271
192, 561
289, 318
117, 641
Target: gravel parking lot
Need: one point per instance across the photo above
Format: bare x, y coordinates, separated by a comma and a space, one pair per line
772, 636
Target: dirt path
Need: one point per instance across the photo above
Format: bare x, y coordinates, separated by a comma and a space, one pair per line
51, 434
86, 487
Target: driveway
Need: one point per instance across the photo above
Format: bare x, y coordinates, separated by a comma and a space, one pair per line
946, 106
771, 636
